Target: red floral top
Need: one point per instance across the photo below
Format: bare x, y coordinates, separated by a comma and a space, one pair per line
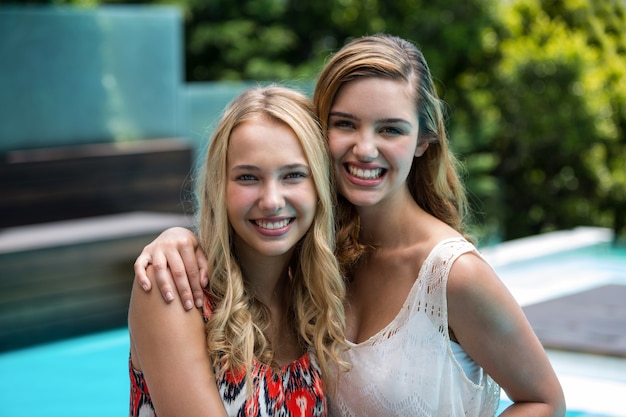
294, 390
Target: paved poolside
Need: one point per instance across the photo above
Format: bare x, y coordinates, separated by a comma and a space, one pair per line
592, 383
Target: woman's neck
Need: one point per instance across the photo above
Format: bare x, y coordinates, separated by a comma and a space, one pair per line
267, 277
401, 226
391, 224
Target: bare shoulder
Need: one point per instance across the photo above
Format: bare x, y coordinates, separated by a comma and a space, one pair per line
491, 327
168, 345
470, 266
154, 323
473, 280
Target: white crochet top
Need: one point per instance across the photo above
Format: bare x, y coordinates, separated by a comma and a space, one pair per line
408, 368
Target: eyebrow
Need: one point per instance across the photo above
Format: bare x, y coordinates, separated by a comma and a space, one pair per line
383, 121
288, 167
294, 167
245, 168
341, 114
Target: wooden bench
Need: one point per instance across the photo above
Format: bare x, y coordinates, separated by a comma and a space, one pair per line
73, 220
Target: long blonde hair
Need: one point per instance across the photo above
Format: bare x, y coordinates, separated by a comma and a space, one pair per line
237, 328
433, 181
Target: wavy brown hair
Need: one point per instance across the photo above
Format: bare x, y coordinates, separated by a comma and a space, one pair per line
236, 332
433, 181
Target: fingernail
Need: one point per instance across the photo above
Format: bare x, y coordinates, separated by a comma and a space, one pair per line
188, 305
198, 302
169, 296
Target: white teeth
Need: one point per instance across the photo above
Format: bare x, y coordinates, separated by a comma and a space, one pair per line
365, 174
272, 225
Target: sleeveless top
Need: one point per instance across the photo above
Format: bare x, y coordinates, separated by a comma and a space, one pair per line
408, 368
294, 390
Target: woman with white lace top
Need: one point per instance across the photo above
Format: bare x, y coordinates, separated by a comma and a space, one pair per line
431, 328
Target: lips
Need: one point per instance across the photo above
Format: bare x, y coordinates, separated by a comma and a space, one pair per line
274, 227
364, 173
364, 176
273, 224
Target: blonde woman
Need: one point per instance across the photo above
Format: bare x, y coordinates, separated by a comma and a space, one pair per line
272, 323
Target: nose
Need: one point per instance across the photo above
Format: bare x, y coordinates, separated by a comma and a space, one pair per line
365, 148
271, 200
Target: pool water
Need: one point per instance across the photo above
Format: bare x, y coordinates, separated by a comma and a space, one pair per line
85, 376
88, 376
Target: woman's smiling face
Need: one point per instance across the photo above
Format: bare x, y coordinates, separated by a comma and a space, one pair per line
270, 194
372, 133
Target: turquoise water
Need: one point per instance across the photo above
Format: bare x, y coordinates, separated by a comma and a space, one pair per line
88, 376
85, 376
604, 257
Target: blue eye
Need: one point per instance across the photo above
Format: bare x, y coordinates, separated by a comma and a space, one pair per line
246, 177
296, 175
343, 124
392, 131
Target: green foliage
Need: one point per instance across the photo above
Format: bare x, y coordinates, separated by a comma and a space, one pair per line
536, 89
278, 39
559, 88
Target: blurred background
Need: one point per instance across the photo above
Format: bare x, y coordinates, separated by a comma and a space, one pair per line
105, 106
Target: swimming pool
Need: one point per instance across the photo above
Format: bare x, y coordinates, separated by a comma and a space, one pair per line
84, 376
89, 375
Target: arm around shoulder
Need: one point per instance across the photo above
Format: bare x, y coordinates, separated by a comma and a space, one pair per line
179, 265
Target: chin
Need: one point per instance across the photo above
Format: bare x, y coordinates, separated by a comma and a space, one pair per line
279, 250
360, 200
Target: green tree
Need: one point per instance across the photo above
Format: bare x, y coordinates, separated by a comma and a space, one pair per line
558, 96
